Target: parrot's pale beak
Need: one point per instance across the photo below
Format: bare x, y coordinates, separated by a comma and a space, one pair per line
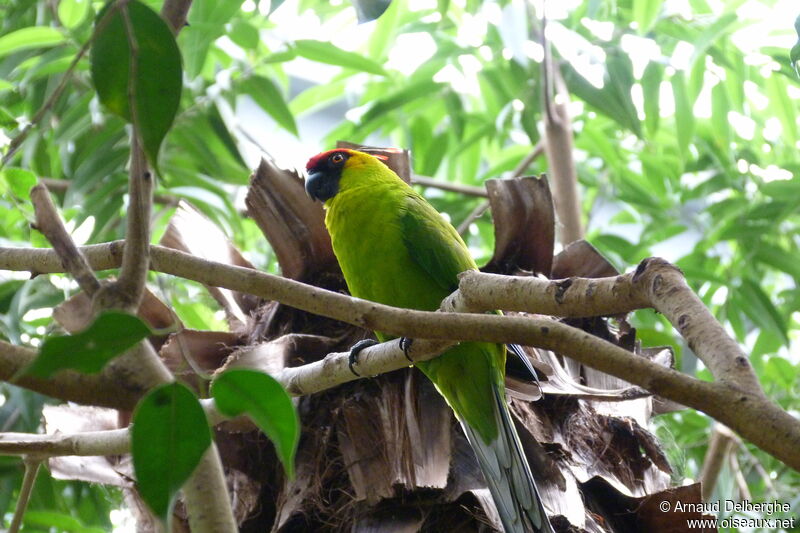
320, 186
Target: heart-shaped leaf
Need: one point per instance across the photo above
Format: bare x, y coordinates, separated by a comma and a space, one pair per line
266, 402
169, 436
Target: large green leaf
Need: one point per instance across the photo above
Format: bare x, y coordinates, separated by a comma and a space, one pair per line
779, 258
711, 35
206, 23
19, 180
645, 13
619, 79
614, 98
267, 95
72, 12
263, 399
782, 106
169, 436
385, 31
684, 117
52, 520
324, 52
141, 84
318, 96
758, 306
111, 334
651, 90
27, 38
720, 106
424, 89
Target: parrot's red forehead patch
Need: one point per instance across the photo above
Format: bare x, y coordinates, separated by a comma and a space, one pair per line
317, 159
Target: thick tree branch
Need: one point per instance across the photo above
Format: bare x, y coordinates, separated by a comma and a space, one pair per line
67, 385
751, 414
655, 283
206, 497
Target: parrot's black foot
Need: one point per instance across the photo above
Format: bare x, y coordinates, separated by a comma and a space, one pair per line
355, 350
405, 345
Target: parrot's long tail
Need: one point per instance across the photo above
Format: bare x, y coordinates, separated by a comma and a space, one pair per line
508, 475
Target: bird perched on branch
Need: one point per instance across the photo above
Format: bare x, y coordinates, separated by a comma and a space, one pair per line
394, 248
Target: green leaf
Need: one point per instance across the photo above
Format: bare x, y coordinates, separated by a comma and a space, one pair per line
149, 92
385, 31
206, 23
757, 305
779, 370
49, 520
651, 90
614, 99
169, 436
72, 12
323, 52
780, 258
619, 79
782, 106
111, 334
645, 13
368, 10
720, 105
421, 89
27, 38
20, 181
712, 34
684, 117
781, 189
7, 121
269, 98
244, 34
318, 96
266, 403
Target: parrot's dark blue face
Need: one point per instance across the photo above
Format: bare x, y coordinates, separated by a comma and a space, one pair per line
324, 172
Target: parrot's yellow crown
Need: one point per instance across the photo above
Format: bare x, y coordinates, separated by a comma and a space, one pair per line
325, 170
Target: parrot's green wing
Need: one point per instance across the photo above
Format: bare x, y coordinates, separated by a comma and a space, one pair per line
434, 244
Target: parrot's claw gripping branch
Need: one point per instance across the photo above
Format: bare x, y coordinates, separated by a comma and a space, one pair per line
355, 350
405, 345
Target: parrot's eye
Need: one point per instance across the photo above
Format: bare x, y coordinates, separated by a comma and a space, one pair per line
337, 158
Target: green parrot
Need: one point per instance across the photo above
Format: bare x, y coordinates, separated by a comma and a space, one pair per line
394, 248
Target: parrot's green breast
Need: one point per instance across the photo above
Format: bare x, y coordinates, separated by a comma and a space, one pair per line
395, 249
